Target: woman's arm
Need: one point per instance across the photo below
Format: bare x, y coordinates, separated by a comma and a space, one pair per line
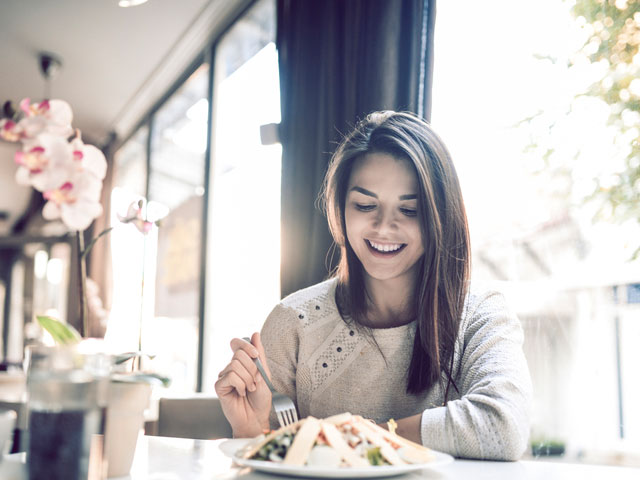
408, 427
491, 419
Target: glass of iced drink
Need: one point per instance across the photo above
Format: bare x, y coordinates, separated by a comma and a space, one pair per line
67, 395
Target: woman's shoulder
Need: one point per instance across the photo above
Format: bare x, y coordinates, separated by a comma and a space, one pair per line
482, 297
309, 304
486, 303
487, 308
320, 294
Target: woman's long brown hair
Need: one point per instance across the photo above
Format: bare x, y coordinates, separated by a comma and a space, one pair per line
442, 283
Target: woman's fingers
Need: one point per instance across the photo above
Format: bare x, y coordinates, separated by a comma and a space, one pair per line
229, 382
246, 361
240, 344
239, 369
241, 373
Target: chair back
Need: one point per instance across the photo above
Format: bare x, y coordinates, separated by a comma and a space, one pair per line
197, 416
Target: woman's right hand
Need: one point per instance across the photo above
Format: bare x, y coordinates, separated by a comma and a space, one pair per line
243, 393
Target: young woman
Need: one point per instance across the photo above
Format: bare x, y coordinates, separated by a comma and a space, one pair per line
396, 333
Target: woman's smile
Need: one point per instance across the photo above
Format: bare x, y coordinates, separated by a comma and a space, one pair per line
383, 249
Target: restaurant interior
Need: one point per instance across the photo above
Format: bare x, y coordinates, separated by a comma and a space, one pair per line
217, 120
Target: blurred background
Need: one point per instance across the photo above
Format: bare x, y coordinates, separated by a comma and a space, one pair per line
224, 115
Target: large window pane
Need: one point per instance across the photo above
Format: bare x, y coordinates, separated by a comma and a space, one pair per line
176, 183
243, 268
537, 149
127, 245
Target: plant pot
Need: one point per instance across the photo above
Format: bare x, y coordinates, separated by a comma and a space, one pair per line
125, 418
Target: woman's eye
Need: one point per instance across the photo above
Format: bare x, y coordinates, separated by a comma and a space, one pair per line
409, 212
364, 208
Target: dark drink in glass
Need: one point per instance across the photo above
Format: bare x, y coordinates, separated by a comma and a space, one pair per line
61, 445
67, 404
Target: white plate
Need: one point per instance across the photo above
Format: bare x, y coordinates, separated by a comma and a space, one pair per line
231, 447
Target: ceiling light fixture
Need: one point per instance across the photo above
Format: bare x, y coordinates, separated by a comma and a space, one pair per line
50, 66
130, 3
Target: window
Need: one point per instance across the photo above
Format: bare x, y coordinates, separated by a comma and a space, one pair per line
165, 262
243, 258
129, 185
531, 145
176, 185
165, 161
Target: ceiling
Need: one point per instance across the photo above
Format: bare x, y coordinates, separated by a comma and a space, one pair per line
116, 62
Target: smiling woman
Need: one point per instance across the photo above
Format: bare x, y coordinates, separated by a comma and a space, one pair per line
397, 333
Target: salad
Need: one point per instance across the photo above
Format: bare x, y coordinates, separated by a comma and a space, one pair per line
343, 440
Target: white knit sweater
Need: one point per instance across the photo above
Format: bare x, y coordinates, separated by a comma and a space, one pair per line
329, 368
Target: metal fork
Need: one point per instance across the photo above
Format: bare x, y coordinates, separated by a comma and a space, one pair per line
283, 405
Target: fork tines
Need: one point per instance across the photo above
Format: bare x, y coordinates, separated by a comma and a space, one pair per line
287, 416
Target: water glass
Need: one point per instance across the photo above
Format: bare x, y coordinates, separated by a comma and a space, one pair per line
67, 397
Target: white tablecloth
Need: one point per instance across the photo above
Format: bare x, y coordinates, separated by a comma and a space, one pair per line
163, 458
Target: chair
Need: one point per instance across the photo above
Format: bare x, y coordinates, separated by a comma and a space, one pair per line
197, 416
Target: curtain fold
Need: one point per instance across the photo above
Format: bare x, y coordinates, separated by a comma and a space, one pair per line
338, 61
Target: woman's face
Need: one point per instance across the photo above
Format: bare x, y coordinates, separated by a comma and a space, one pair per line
381, 216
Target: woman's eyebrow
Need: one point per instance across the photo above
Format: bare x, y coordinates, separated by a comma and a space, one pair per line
364, 191
369, 193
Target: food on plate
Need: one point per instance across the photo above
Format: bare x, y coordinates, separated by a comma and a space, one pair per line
343, 440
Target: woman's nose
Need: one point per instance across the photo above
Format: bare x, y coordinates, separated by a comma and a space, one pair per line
385, 220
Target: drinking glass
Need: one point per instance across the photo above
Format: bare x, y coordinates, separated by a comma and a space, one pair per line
67, 396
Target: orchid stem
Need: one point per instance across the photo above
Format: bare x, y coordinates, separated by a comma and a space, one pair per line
86, 251
138, 360
82, 284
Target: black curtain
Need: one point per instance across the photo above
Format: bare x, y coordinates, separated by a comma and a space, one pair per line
339, 60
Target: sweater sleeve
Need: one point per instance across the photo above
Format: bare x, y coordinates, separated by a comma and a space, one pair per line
491, 419
281, 341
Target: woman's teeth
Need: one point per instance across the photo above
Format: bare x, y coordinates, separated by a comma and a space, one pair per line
389, 247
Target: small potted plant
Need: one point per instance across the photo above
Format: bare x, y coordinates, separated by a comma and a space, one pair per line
547, 447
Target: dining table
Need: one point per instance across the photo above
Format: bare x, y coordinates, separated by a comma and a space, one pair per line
167, 458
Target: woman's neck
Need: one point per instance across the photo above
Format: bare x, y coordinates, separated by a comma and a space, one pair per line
390, 301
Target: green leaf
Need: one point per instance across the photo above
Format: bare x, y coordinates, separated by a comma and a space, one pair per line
123, 357
62, 333
138, 377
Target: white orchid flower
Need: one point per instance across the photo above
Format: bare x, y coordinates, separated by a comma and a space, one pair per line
48, 116
76, 202
46, 162
136, 216
89, 158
